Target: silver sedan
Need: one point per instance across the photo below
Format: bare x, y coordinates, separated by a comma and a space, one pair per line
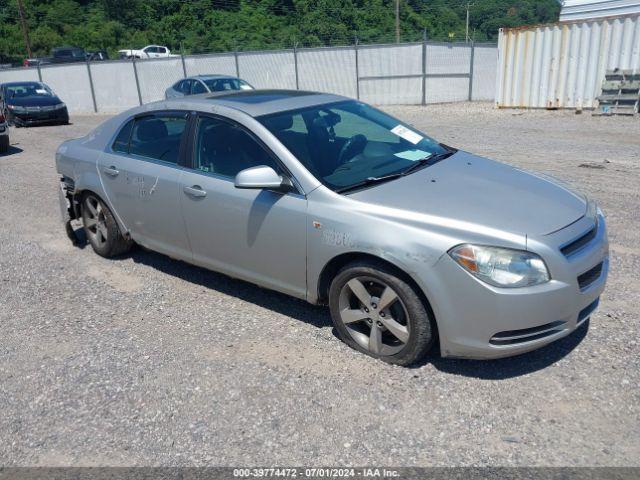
327, 199
205, 84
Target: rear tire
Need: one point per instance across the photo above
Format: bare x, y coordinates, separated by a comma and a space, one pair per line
377, 312
101, 228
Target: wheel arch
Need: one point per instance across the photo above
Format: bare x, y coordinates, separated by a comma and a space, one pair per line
78, 197
333, 266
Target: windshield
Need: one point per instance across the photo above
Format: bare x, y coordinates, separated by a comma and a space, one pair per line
28, 89
223, 84
347, 143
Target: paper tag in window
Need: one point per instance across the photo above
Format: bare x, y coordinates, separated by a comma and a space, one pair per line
413, 155
41, 91
408, 135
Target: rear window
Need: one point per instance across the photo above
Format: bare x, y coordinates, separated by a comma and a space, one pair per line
121, 143
158, 136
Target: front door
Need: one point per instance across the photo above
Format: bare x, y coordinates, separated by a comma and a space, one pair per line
256, 235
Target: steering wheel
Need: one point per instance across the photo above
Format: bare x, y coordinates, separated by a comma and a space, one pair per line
352, 147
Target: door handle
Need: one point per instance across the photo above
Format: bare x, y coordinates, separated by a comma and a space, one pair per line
195, 191
112, 171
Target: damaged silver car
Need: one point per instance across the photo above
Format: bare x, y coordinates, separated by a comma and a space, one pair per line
407, 240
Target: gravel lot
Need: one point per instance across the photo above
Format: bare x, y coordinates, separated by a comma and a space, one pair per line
149, 361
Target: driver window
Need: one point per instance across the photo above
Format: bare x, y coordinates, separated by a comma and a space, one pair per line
351, 124
226, 149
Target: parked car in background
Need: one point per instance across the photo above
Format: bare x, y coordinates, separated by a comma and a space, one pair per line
328, 199
34, 62
31, 103
97, 56
68, 55
4, 134
150, 51
204, 84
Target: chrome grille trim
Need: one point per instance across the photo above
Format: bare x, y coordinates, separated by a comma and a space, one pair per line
511, 337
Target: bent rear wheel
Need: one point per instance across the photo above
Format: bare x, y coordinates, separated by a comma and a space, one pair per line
101, 228
380, 314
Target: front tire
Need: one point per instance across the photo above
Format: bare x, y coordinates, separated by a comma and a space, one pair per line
378, 313
101, 228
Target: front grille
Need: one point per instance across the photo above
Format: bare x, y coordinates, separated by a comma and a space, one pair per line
579, 242
588, 310
47, 108
590, 276
513, 337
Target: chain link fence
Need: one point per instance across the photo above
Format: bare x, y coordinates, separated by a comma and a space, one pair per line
404, 74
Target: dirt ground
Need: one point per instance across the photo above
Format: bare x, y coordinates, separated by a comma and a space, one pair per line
149, 361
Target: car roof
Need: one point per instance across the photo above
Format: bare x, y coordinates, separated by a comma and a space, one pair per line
258, 102
17, 84
210, 77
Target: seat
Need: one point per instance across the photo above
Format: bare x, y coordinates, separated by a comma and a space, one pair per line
319, 146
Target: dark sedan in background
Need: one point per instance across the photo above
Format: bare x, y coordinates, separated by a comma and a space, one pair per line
31, 103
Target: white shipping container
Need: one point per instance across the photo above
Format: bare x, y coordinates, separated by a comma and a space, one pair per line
562, 65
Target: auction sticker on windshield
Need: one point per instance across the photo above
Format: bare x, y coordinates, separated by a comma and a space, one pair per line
413, 155
408, 135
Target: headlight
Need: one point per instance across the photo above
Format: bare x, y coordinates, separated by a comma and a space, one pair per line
16, 108
501, 267
59, 106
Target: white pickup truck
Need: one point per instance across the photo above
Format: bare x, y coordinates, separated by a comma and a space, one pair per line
150, 51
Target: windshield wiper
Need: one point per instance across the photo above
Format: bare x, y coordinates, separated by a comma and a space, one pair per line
430, 160
415, 166
369, 181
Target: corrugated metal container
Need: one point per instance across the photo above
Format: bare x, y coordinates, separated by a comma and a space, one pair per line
562, 65
573, 10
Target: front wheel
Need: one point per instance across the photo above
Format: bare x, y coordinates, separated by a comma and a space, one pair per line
101, 228
380, 314
4, 143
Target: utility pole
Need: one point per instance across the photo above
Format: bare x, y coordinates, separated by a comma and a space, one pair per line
25, 28
397, 21
466, 36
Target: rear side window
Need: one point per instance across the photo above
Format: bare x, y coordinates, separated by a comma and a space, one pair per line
121, 143
198, 87
185, 87
158, 136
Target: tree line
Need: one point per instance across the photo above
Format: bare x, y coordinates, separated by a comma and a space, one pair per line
198, 26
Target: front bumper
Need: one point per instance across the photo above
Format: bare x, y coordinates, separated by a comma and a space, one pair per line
476, 320
39, 118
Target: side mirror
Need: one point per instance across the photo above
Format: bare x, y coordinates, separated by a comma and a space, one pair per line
262, 177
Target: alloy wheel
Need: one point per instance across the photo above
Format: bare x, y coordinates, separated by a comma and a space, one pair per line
95, 221
374, 315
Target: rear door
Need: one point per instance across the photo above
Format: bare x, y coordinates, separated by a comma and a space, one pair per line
141, 176
257, 235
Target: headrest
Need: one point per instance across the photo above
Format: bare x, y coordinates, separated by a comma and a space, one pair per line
282, 122
152, 129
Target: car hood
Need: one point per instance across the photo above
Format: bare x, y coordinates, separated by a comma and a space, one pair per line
468, 188
34, 101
